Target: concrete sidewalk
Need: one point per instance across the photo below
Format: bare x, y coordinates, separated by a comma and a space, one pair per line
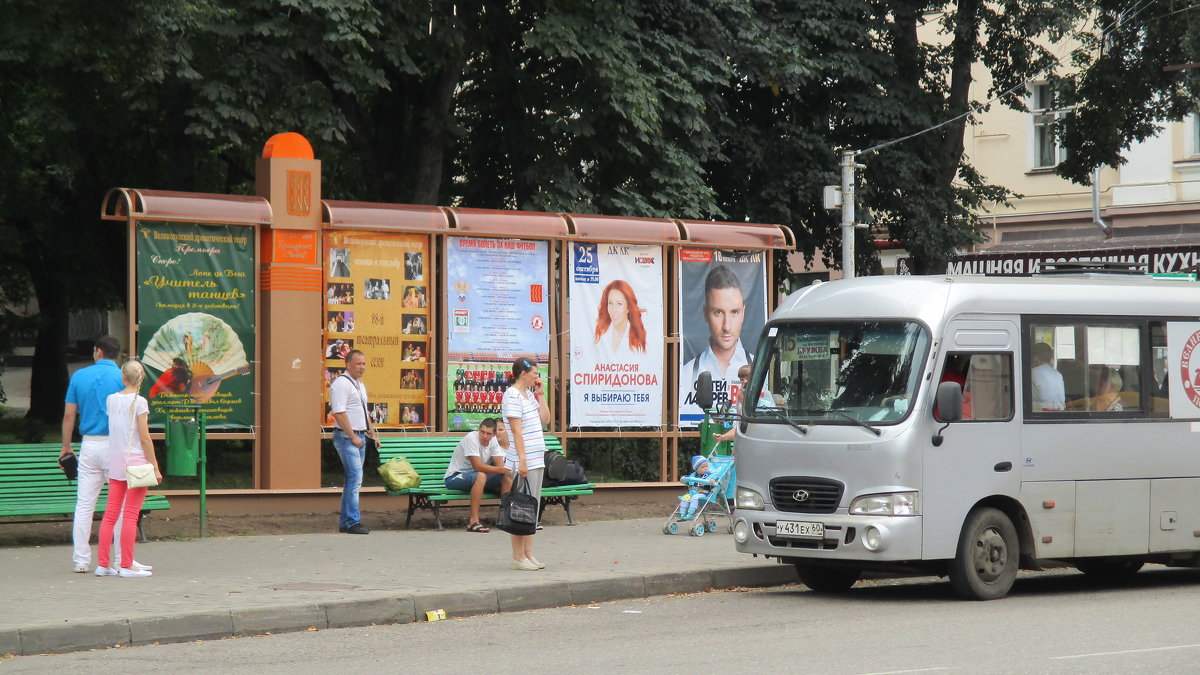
219, 587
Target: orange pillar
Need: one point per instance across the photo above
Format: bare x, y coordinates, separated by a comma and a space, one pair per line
290, 451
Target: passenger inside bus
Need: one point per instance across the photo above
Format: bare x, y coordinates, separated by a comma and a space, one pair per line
1049, 390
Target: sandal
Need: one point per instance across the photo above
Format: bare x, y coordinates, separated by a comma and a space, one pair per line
477, 527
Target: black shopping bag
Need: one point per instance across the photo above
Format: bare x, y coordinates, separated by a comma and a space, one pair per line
518, 510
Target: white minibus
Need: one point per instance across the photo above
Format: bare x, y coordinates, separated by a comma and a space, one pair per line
973, 426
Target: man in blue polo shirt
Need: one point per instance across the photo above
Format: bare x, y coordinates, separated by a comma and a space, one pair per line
87, 400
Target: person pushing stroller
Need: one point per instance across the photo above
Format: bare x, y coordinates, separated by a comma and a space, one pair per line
698, 493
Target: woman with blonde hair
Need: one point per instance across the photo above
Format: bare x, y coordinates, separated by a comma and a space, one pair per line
619, 326
128, 443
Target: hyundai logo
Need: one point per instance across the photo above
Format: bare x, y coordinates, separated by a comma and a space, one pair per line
800, 495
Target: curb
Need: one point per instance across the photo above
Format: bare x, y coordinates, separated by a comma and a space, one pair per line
275, 619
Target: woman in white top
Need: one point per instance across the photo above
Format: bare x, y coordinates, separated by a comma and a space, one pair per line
128, 443
525, 412
619, 327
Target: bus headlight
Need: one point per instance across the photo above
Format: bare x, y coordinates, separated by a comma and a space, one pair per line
748, 499
887, 504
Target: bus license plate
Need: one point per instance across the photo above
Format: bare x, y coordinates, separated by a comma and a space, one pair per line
796, 528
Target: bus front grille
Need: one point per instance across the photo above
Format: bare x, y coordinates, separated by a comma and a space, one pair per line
806, 494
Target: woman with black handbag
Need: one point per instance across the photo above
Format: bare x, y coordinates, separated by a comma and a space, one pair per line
525, 412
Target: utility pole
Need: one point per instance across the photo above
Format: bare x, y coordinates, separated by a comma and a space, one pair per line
848, 214
843, 197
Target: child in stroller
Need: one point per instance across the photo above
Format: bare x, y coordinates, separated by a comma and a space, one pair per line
708, 487
699, 489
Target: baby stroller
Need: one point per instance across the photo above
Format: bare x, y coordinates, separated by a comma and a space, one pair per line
716, 503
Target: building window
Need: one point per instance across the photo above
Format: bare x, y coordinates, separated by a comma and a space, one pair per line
1195, 135
1047, 151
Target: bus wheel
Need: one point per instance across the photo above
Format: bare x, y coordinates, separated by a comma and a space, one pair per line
1109, 569
827, 579
988, 556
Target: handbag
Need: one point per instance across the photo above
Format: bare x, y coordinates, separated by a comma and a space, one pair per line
398, 474
137, 475
556, 465
518, 510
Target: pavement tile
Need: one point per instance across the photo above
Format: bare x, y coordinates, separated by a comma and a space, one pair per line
69, 637
606, 590
181, 627
281, 619
462, 603
10, 641
369, 611
534, 596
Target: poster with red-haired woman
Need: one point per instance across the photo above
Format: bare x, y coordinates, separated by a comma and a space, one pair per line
616, 296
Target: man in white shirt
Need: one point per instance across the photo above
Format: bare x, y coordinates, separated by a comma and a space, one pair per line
724, 312
348, 403
1049, 392
477, 465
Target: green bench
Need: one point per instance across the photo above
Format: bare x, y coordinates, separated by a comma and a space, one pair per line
430, 456
32, 484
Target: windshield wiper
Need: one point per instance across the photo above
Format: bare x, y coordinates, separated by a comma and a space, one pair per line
852, 418
774, 412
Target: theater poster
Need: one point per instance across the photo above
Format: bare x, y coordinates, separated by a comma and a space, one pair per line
377, 301
722, 309
616, 298
498, 309
195, 318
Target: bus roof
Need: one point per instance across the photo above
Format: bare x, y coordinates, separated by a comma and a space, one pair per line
930, 298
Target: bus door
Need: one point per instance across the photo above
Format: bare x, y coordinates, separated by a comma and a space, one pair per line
980, 454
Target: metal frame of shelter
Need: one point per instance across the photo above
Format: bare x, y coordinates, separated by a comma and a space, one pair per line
439, 224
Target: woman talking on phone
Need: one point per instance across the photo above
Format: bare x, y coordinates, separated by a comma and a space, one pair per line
525, 412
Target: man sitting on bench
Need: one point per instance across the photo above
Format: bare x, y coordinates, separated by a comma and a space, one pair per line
478, 465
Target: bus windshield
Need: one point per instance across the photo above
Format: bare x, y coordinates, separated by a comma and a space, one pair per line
836, 372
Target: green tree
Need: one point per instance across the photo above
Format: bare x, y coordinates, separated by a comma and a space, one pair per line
1123, 89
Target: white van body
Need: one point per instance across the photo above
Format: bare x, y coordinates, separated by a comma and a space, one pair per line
844, 474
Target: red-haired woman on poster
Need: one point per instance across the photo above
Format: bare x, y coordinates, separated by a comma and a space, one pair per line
619, 328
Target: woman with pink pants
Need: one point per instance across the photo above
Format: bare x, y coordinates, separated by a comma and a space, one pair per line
128, 443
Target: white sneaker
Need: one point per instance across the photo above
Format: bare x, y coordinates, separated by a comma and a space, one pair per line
105, 572
534, 560
128, 572
139, 566
81, 568
523, 565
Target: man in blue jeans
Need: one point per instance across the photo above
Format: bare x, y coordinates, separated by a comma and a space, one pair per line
348, 403
478, 465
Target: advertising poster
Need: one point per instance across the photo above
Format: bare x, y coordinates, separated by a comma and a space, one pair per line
616, 296
497, 309
722, 309
195, 312
377, 301
1183, 368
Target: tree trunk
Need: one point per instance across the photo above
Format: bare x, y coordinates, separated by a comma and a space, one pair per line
432, 120
48, 379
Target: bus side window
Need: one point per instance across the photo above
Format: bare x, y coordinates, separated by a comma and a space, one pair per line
986, 379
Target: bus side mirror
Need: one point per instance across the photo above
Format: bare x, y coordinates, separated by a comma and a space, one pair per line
704, 390
949, 407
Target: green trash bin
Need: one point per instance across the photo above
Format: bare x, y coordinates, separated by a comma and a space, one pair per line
183, 446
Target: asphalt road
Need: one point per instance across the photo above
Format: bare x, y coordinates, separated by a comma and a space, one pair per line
1057, 622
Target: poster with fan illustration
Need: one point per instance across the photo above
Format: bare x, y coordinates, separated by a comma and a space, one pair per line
196, 309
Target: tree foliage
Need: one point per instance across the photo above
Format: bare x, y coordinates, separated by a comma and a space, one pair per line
727, 109
1122, 89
